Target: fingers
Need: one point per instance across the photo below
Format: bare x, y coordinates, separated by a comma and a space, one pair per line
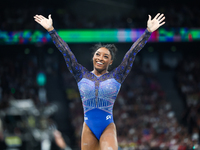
149, 17
42, 17
160, 16
162, 23
49, 16
160, 19
163, 18
38, 18
37, 21
156, 16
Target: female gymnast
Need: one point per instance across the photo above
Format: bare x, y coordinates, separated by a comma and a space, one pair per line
99, 88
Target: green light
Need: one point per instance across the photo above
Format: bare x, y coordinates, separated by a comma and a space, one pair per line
13, 90
88, 35
41, 79
100, 35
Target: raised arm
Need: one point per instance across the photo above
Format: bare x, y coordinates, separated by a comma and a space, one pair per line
124, 68
72, 64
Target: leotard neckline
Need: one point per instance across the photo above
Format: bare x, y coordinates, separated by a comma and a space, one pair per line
100, 75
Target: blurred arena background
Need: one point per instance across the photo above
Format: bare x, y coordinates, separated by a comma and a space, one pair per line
158, 106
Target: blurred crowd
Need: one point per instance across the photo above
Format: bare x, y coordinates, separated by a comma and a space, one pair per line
24, 109
21, 17
188, 83
142, 114
18, 79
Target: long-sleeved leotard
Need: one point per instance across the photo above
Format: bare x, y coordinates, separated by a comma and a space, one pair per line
98, 93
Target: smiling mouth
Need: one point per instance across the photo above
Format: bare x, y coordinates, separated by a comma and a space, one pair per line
99, 63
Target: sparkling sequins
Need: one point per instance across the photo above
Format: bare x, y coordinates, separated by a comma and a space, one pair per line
99, 92
87, 89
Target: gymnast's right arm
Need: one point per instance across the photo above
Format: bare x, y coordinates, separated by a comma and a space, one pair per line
72, 64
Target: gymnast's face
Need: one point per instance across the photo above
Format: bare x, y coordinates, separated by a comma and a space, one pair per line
102, 59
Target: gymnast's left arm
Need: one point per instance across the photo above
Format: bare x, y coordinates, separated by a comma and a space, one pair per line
124, 68
74, 67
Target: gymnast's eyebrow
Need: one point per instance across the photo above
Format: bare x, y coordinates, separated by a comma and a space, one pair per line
100, 52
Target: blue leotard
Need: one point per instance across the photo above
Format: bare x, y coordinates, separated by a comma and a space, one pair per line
98, 93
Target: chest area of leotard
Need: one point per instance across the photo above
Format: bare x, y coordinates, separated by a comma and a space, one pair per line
107, 89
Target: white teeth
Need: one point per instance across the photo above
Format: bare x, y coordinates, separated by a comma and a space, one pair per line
100, 63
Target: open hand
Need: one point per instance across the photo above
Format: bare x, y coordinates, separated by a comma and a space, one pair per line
46, 23
157, 21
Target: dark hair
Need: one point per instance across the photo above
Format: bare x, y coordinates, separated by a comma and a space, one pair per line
110, 47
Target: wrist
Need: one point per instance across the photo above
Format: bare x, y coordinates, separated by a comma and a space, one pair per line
149, 29
50, 29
